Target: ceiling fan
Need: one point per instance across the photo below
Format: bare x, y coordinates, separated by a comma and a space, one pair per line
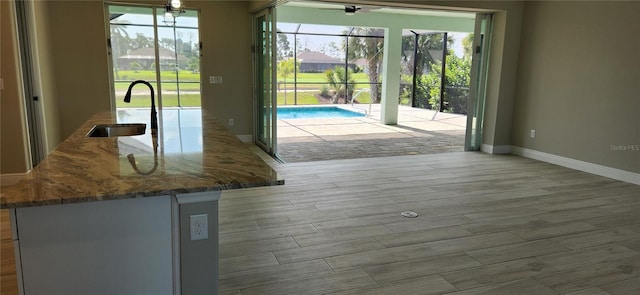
353, 9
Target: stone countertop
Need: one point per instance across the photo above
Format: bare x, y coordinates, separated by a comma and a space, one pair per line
195, 153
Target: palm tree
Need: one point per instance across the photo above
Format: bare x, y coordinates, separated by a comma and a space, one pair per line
369, 48
342, 83
120, 44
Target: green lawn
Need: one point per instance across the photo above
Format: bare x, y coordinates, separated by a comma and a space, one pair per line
193, 100
321, 78
188, 79
170, 100
308, 98
304, 98
364, 97
165, 86
317, 80
185, 75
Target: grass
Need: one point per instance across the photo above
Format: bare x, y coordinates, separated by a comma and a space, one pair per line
185, 75
190, 81
304, 98
316, 80
308, 98
168, 100
321, 78
167, 86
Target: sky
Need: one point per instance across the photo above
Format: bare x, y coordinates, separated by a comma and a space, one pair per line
316, 43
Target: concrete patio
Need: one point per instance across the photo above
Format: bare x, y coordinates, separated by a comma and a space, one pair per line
418, 132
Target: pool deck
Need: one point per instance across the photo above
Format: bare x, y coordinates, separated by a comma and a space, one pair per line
417, 132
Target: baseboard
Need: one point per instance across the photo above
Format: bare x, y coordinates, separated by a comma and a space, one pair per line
11, 178
495, 150
592, 168
245, 138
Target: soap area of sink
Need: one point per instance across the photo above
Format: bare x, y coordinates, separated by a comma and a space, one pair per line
114, 130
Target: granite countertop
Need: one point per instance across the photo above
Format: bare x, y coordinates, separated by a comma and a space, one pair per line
195, 153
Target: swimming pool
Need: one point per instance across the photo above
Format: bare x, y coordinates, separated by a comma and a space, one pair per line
315, 112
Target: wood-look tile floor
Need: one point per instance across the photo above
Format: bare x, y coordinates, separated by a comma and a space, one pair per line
8, 281
486, 225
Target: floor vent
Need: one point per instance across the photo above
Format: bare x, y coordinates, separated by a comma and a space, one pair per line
409, 214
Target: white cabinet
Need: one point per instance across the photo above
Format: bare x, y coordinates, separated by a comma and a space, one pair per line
105, 247
130, 246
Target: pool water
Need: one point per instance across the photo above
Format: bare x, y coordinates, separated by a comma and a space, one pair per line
315, 112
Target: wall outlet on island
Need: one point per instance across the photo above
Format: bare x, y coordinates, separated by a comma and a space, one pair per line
198, 227
532, 133
231, 122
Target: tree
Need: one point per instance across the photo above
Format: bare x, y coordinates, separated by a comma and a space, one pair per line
467, 46
369, 48
194, 64
135, 66
141, 41
332, 49
427, 54
120, 45
338, 78
167, 43
456, 82
284, 47
286, 68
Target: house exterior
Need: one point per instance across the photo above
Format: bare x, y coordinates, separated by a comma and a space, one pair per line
318, 62
146, 57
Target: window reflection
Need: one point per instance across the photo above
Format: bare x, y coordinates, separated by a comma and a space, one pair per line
180, 143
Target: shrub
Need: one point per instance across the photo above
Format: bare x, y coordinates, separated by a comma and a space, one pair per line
324, 91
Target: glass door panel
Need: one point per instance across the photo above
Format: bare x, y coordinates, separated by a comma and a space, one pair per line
144, 47
179, 56
133, 53
264, 71
477, 92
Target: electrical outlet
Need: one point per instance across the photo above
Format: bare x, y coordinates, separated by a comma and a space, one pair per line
231, 122
215, 79
198, 227
532, 134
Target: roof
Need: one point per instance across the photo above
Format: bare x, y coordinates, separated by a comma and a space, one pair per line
314, 57
150, 53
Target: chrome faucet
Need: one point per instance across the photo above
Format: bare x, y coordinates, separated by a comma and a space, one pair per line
154, 114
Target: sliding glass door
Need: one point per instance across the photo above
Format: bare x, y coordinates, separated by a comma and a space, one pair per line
477, 92
144, 45
264, 79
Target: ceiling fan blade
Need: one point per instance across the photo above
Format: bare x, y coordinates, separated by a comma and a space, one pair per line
351, 9
365, 9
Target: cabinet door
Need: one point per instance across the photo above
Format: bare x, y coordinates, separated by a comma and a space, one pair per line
106, 247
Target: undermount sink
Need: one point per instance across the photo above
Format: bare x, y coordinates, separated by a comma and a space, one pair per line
111, 130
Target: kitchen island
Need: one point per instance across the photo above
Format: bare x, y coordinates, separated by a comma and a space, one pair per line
129, 214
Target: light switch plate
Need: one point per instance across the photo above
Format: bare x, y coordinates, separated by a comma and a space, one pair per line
198, 227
